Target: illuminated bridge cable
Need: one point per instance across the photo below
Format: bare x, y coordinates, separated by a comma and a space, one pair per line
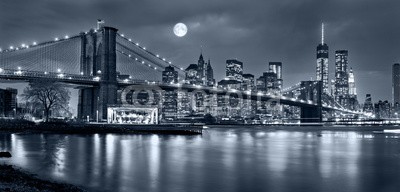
136, 69
47, 57
146, 54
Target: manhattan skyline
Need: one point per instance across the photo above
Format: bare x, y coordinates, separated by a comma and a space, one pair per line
284, 31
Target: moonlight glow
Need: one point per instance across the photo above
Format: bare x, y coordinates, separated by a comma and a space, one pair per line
180, 29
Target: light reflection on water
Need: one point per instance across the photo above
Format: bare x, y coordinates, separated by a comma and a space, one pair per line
218, 160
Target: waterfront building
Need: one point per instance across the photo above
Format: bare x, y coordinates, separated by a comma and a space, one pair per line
322, 63
170, 97
184, 105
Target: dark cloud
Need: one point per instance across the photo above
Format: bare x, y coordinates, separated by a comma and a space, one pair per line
255, 32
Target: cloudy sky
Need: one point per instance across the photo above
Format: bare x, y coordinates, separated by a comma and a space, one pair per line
253, 31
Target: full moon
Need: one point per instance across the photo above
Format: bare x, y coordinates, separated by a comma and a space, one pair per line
180, 29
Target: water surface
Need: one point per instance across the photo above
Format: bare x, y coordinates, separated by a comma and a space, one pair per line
222, 159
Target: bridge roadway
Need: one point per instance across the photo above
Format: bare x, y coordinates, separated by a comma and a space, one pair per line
84, 80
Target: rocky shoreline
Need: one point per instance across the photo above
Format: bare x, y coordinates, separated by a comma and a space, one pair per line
13, 179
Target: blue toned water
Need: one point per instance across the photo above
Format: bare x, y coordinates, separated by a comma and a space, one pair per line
222, 159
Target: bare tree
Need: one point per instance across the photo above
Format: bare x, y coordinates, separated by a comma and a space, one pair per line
50, 95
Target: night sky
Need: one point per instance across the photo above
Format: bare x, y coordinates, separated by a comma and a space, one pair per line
255, 32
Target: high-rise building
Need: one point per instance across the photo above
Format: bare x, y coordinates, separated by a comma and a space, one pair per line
396, 83
352, 84
368, 105
169, 102
353, 102
210, 74
341, 78
184, 104
248, 82
267, 82
249, 106
234, 70
229, 105
382, 110
333, 87
276, 67
192, 75
202, 70
322, 63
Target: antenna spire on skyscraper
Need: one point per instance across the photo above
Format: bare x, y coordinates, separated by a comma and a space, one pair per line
323, 34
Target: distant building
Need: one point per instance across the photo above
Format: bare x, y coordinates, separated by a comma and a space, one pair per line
169, 75
202, 70
276, 67
396, 83
229, 105
322, 63
201, 73
234, 70
353, 102
8, 102
184, 104
210, 74
192, 75
352, 84
368, 105
170, 105
382, 110
341, 78
248, 82
267, 83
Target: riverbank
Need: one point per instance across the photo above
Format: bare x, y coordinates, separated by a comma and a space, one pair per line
21, 126
12, 179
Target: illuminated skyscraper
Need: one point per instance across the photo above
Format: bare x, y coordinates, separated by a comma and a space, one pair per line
322, 63
396, 83
352, 91
341, 77
169, 97
352, 84
202, 70
276, 67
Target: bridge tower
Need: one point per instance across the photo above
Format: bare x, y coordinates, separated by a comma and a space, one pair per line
98, 58
311, 90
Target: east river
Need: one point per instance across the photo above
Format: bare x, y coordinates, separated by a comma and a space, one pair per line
222, 159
